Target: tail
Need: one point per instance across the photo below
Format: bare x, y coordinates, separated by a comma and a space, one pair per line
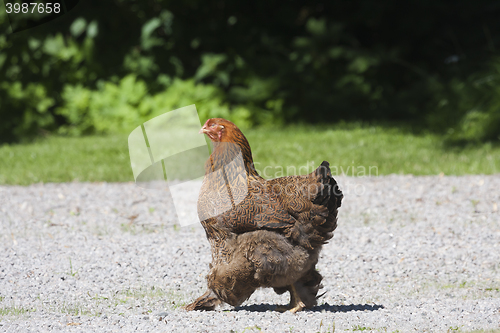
330, 196
323, 223
313, 200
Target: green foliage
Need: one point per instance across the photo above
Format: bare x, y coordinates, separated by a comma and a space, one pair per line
34, 99
33, 72
481, 120
120, 107
112, 108
105, 67
469, 110
475, 126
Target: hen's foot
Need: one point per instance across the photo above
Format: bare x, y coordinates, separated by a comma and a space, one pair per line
296, 303
298, 307
208, 301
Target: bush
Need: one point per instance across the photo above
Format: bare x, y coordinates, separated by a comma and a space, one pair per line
33, 99
474, 113
120, 107
106, 66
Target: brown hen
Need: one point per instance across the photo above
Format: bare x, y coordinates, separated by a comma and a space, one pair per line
263, 233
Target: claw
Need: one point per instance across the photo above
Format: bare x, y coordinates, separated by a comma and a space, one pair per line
298, 307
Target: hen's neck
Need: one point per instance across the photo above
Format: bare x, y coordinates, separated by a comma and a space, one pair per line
226, 151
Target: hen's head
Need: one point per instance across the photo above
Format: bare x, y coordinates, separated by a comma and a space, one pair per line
220, 130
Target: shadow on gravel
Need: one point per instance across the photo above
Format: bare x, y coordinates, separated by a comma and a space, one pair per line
346, 308
321, 308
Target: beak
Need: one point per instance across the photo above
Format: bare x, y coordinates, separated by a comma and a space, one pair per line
203, 130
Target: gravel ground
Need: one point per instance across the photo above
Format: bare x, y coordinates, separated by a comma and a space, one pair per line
410, 254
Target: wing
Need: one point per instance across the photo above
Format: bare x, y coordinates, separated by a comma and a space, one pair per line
237, 211
230, 202
260, 209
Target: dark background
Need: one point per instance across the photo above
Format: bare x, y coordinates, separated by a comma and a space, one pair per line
106, 66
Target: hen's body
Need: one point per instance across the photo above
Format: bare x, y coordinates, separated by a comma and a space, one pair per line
262, 233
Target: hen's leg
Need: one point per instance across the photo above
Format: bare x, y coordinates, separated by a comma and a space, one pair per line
296, 303
207, 301
283, 308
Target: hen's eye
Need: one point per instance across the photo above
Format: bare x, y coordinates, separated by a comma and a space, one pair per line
213, 125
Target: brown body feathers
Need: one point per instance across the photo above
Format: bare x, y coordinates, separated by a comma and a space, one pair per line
263, 233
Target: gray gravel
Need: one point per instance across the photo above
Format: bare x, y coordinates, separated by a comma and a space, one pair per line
410, 254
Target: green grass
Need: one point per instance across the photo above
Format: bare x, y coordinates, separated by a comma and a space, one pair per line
357, 151
174, 299
14, 311
60, 159
76, 310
